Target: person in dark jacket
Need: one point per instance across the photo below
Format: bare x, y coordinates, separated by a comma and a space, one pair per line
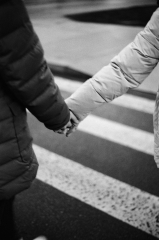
25, 82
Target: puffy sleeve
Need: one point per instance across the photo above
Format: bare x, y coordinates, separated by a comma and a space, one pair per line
126, 70
24, 70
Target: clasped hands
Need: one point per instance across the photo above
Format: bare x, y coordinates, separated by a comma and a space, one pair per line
70, 127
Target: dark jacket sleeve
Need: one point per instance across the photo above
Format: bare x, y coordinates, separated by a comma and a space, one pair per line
24, 69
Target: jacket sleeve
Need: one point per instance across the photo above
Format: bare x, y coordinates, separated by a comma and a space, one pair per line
126, 70
24, 70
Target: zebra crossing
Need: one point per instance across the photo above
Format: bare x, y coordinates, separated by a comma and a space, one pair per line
107, 194
117, 198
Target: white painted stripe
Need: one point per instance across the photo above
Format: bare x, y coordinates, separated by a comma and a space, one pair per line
118, 199
127, 100
119, 133
136, 103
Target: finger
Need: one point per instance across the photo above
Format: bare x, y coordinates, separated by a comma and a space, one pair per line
59, 131
73, 118
65, 131
68, 125
71, 130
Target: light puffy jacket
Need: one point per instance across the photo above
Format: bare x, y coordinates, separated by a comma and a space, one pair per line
126, 70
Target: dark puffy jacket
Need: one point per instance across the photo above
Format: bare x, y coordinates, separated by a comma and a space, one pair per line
25, 82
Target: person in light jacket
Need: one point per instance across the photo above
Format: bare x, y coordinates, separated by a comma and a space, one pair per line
126, 70
25, 82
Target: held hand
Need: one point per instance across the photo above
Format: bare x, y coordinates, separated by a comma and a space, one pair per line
70, 127
74, 124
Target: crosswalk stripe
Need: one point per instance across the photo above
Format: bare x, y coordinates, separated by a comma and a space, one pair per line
119, 133
127, 100
120, 200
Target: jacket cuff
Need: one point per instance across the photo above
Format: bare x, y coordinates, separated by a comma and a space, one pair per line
61, 121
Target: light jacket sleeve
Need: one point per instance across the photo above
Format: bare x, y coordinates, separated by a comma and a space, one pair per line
24, 71
126, 70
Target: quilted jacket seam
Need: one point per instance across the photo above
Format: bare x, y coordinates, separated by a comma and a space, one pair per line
16, 136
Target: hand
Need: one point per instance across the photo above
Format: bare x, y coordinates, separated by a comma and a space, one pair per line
75, 122
70, 127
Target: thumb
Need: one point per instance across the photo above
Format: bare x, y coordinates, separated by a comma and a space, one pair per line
73, 119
